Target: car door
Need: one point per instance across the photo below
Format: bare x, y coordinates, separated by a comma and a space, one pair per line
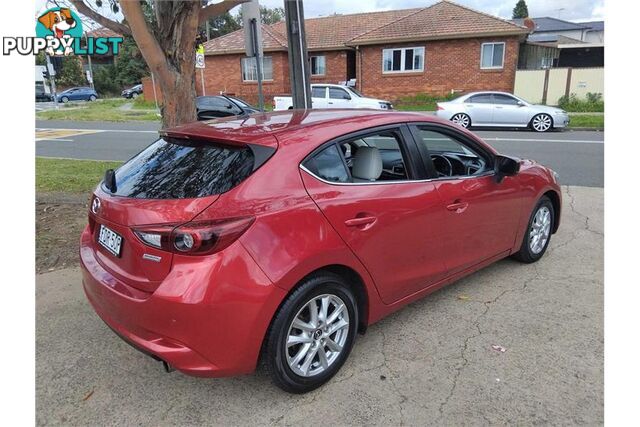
480, 215
480, 108
392, 223
319, 97
339, 98
72, 94
509, 111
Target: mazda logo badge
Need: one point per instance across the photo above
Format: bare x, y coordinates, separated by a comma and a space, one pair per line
95, 205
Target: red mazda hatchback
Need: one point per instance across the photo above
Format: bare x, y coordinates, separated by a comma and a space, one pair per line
278, 237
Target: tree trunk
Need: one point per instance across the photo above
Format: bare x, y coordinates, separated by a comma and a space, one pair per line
170, 54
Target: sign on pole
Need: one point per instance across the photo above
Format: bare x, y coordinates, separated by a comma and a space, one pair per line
200, 56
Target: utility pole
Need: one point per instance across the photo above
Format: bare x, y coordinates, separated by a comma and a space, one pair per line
298, 58
253, 41
89, 60
52, 80
256, 49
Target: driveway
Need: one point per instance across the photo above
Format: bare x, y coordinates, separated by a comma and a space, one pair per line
430, 363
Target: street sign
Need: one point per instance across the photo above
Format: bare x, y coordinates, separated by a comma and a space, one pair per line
250, 11
200, 56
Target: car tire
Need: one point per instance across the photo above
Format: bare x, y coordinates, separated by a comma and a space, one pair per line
462, 119
538, 232
286, 364
134, 95
92, 98
541, 123
64, 99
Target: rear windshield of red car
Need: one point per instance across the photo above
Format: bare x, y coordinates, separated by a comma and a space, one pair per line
180, 169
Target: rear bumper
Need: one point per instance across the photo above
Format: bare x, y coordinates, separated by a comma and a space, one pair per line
203, 320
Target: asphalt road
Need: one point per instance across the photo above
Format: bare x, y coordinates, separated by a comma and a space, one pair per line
431, 363
578, 156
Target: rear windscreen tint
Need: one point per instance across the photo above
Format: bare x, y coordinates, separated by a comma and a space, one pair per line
179, 169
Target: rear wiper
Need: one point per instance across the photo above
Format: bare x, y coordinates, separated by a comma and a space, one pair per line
110, 180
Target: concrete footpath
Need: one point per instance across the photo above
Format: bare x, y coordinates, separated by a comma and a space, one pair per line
436, 362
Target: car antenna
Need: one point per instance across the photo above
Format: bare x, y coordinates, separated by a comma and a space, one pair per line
110, 180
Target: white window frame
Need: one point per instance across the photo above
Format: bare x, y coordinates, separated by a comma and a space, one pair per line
324, 64
504, 52
245, 60
402, 59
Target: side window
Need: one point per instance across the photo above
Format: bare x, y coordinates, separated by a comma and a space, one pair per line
337, 93
318, 92
375, 157
480, 99
328, 165
449, 156
504, 99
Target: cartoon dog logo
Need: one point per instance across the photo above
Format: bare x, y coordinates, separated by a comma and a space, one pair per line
58, 22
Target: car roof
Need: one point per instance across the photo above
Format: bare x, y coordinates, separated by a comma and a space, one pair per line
315, 126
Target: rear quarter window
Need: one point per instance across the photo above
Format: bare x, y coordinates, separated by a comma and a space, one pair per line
179, 169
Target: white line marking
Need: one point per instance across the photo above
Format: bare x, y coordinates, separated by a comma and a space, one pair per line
572, 141
53, 139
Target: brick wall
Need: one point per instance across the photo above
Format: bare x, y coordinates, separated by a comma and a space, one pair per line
449, 64
223, 74
335, 67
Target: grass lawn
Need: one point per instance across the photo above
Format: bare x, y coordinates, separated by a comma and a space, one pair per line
595, 121
69, 176
102, 110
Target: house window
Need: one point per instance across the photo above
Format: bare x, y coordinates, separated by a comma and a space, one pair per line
318, 65
403, 60
250, 70
492, 55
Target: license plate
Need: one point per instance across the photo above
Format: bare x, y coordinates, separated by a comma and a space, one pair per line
110, 240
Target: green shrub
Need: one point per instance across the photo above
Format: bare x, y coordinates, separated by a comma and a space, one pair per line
591, 104
422, 101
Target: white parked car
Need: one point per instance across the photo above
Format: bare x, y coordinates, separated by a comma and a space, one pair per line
500, 109
334, 96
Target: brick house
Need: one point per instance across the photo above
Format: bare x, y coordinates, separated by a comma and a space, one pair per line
432, 50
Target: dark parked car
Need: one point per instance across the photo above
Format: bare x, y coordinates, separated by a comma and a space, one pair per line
212, 107
42, 95
132, 92
78, 94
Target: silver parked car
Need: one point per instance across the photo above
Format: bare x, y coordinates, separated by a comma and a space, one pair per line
500, 109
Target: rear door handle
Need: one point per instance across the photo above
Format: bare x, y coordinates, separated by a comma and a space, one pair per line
458, 206
360, 221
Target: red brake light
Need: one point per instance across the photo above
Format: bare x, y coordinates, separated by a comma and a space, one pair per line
195, 238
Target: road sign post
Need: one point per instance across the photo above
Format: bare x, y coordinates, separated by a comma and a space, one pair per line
253, 41
200, 63
298, 59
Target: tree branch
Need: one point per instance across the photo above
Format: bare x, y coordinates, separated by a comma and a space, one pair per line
218, 9
85, 10
146, 41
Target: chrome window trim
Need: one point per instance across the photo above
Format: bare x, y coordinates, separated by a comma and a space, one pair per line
404, 181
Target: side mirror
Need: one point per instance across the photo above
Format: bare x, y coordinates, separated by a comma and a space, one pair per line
520, 104
505, 166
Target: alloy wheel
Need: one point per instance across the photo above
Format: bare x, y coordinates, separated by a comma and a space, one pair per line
540, 230
461, 119
317, 335
541, 123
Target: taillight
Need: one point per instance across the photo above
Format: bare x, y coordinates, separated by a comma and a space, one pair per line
440, 107
195, 238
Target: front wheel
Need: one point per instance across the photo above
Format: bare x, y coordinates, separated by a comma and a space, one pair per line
312, 334
92, 98
134, 95
541, 122
536, 239
462, 119
64, 99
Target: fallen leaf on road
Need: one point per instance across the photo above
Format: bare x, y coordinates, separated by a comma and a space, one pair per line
498, 348
464, 297
88, 396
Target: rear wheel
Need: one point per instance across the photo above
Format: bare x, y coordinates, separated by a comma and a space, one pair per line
92, 98
541, 122
64, 99
536, 239
462, 119
312, 334
134, 95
